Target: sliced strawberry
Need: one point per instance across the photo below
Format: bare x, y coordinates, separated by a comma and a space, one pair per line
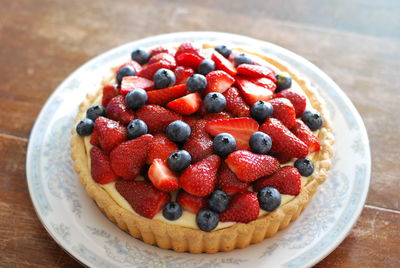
144, 199
190, 202
287, 180
182, 74
186, 105
200, 179
240, 128
189, 60
100, 166
244, 207
128, 158
161, 147
284, 111
190, 120
248, 166
149, 71
162, 49
165, 95
132, 64
118, 111
157, 118
218, 81
162, 177
264, 82
235, 104
304, 133
188, 47
284, 142
130, 83
162, 56
252, 92
251, 70
228, 182
223, 64
109, 92
199, 144
217, 116
297, 99
109, 133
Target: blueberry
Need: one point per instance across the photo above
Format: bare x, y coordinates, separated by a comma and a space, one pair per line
196, 83
207, 219
85, 127
206, 66
218, 201
284, 81
179, 160
125, 71
164, 78
172, 211
223, 50
261, 110
304, 166
178, 131
141, 56
242, 58
269, 198
214, 102
136, 128
95, 111
312, 119
136, 98
260, 143
224, 144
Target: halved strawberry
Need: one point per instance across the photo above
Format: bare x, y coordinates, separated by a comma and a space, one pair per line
199, 179
188, 47
162, 49
162, 56
189, 60
240, 128
287, 180
264, 82
218, 81
235, 104
182, 73
161, 147
244, 207
132, 64
130, 83
199, 144
128, 158
157, 118
118, 111
190, 202
162, 177
165, 95
109, 92
284, 111
251, 70
149, 71
100, 166
228, 182
186, 105
190, 120
252, 92
144, 199
304, 133
249, 166
297, 99
217, 116
223, 64
109, 133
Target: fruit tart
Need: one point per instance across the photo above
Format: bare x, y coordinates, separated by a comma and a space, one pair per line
202, 147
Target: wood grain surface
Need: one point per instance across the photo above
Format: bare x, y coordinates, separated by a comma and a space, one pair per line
357, 43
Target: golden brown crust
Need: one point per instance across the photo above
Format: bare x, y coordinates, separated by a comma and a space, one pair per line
240, 235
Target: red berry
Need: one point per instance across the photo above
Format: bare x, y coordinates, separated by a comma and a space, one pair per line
264, 82
109, 92
161, 147
186, 105
244, 207
132, 64
217, 116
182, 74
100, 167
199, 145
118, 111
130, 83
223, 64
235, 104
162, 56
188, 47
157, 118
162, 49
297, 99
162, 177
304, 133
165, 95
251, 70
253, 92
228, 182
149, 71
191, 121
109, 133
287, 180
218, 81
284, 111
190, 202
189, 60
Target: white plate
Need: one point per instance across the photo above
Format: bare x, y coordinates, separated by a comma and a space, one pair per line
77, 225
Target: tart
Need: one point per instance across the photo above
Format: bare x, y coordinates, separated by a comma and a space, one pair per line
202, 148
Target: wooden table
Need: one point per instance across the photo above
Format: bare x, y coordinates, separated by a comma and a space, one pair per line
357, 43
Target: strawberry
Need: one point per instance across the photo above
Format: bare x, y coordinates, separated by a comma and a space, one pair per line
249, 166
304, 133
284, 142
240, 128
252, 92
223, 64
251, 70
165, 95
161, 147
264, 82
162, 56
228, 182
109, 92
284, 111
157, 118
162, 49
297, 99
117, 110
144, 199
100, 167
130, 83
131, 63
235, 104
94, 138
190, 120
128, 158
186, 105
218, 81
109, 133
200, 179
199, 144
244, 207
287, 180
217, 116
182, 74
162, 177
189, 60
149, 71
188, 47
190, 202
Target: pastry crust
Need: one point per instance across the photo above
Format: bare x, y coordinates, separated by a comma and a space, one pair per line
239, 235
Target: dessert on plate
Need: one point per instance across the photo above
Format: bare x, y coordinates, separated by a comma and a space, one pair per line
202, 147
